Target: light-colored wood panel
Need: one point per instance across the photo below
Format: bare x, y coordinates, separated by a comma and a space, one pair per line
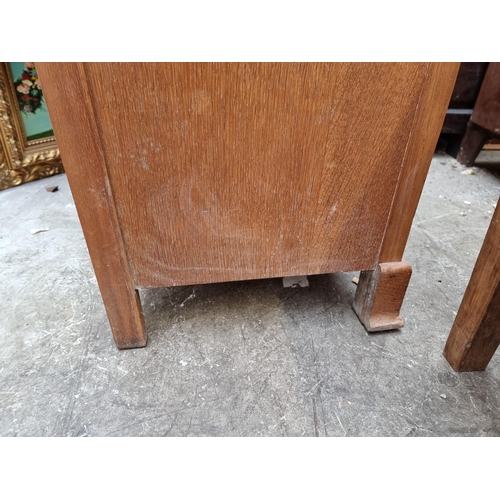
238, 171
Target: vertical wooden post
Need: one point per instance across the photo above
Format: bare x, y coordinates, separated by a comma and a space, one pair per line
85, 165
475, 334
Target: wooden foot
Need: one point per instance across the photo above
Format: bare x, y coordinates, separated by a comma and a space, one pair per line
474, 139
126, 318
475, 334
380, 294
121, 300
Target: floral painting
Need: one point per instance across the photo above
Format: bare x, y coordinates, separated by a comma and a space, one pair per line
32, 105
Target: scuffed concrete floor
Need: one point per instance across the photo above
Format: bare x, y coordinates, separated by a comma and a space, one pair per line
245, 358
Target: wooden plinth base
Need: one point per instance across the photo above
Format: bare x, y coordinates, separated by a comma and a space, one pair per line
380, 294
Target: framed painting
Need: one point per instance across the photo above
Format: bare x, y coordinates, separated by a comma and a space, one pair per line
28, 147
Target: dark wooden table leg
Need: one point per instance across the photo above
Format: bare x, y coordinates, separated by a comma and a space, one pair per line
474, 139
475, 334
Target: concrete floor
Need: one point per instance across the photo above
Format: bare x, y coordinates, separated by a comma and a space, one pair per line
239, 359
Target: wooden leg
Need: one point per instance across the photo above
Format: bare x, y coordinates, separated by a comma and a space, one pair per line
380, 294
475, 334
91, 188
125, 316
474, 139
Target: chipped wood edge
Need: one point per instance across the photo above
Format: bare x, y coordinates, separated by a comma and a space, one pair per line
380, 294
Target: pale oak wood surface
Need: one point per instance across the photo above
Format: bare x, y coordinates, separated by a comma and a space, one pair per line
381, 291
197, 173
238, 171
432, 106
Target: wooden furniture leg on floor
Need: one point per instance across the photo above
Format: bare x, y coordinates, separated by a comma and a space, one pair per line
199, 173
475, 334
472, 143
484, 123
381, 291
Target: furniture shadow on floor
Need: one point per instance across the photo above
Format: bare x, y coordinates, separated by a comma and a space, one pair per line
253, 305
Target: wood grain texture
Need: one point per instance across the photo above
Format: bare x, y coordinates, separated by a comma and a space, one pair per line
429, 119
205, 172
74, 125
241, 171
380, 294
475, 334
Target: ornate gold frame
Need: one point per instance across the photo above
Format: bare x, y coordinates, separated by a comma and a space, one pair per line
21, 160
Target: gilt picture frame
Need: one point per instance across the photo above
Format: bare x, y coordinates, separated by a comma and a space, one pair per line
28, 147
